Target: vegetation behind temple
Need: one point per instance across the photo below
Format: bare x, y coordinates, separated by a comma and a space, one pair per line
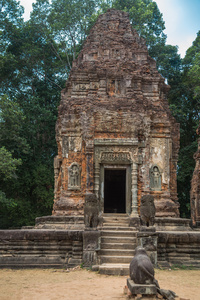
35, 61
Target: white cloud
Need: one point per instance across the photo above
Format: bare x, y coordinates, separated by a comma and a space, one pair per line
177, 29
172, 13
27, 4
185, 43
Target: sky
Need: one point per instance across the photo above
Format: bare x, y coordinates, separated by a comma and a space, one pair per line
182, 20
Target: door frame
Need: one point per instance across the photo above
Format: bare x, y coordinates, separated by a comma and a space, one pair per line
127, 168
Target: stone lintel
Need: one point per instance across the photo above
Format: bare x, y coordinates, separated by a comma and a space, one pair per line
144, 289
111, 142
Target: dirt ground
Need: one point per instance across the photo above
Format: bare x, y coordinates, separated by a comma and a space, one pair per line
81, 284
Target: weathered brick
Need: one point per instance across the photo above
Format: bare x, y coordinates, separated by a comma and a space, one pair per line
115, 102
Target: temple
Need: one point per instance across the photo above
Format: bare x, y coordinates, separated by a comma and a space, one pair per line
116, 136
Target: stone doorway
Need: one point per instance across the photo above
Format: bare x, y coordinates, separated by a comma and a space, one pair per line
115, 190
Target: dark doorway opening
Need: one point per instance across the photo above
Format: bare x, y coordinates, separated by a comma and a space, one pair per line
114, 191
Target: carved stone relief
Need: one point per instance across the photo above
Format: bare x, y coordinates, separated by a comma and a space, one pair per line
72, 143
160, 155
71, 120
80, 86
115, 156
65, 146
155, 178
74, 181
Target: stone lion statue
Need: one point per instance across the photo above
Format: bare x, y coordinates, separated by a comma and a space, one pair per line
141, 268
91, 211
142, 272
147, 210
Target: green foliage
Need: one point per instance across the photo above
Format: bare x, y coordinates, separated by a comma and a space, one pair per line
184, 99
8, 165
145, 18
32, 80
181, 267
11, 126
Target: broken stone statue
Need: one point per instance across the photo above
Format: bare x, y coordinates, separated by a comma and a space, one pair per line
147, 210
91, 211
142, 280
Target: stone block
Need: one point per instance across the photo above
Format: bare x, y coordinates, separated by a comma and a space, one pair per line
147, 229
144, 289
91, 244
149, 241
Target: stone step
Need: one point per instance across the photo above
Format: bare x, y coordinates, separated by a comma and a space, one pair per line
121, 233
113, 218
115, 215
108, 245
117, 224
117, 252
118, 242
114, 269
116, 259
116, 220
115, 239
119, 228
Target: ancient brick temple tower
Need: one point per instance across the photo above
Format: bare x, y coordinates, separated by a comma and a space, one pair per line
115, 133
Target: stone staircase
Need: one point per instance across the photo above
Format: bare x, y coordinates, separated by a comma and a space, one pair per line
118, 242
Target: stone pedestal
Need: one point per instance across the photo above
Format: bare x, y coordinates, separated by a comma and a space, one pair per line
134, 222
148, 239
91, 244
143, 289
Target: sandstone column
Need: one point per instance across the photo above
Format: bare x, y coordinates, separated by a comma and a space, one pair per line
134, 205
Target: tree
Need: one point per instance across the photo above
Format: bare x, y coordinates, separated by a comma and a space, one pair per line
185, 103
11, 119
11, 23
146, 18
11, 127
27, 131
8, 164
70, 21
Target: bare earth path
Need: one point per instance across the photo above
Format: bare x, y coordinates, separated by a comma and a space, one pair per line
86, 285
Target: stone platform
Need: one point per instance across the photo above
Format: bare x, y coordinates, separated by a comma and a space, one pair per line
60, 244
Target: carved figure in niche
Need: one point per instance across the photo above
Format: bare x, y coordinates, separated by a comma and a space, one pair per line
142, 272
155, 178
74, 176
91, 211
147, 210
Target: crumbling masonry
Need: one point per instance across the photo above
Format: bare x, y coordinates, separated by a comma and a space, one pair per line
114, 125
